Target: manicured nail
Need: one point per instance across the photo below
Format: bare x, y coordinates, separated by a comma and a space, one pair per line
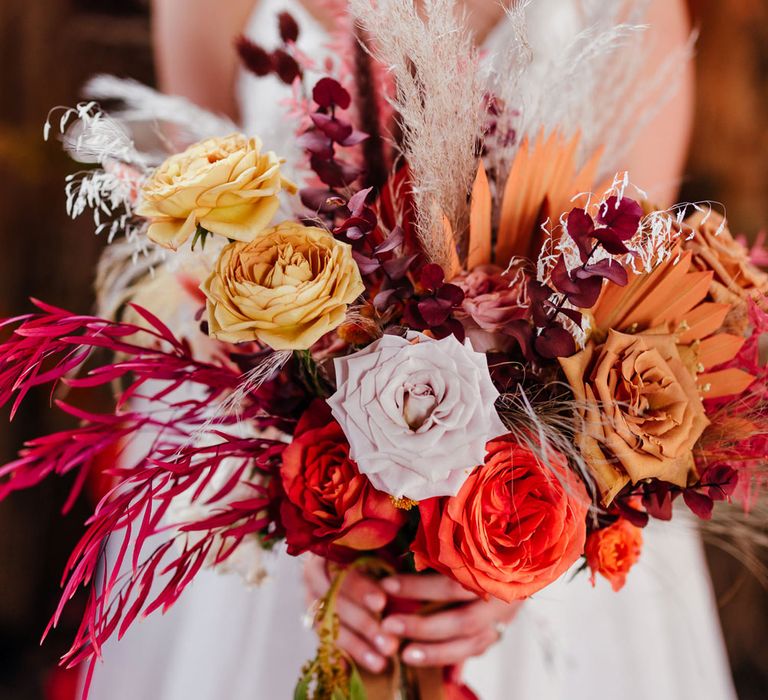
414, 656
385, 645
391, 585
374, 601
373, 661
393, 625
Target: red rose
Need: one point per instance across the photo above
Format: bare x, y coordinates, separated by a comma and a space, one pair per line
613, 551
329, 505
514, 527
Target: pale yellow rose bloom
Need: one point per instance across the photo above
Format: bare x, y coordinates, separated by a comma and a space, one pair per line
226, 185
286, 289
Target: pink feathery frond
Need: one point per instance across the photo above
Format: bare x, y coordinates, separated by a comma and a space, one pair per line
146, 572
143, 576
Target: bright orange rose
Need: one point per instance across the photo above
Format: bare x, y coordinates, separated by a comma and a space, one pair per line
329, 507
514, 527
613, 551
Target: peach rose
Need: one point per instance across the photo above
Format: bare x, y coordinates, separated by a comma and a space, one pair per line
224, 185
286, 289
641, 409
613, 551
735, 278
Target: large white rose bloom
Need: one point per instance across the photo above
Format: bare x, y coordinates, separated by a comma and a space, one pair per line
417, 412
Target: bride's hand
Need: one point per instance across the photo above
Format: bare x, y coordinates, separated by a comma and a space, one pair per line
359, 606
439, 639
451, 636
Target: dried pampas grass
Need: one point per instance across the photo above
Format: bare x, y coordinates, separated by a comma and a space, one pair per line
439, 101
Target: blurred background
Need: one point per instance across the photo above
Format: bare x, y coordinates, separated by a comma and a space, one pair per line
48, 48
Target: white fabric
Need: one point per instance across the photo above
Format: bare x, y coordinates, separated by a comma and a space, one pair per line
657, 639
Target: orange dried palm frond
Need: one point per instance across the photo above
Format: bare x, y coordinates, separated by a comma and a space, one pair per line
452, 265
480, 222
726, 382
675, 297
543, 178
718, 349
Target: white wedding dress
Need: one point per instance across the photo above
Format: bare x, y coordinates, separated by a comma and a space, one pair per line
658, 639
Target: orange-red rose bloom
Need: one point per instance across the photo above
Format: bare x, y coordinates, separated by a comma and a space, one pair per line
329, 507
613, 551
515, 526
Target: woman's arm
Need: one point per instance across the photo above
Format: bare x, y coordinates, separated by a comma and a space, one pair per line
194, 49
657, 159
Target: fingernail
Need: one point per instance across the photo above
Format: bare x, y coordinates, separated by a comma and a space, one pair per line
393, 625
373, 661
374, 601
385, 644
391, 585
414, 656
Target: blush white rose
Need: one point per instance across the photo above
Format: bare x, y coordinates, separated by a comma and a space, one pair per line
417, 412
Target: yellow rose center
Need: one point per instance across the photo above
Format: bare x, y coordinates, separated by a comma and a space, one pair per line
291, 268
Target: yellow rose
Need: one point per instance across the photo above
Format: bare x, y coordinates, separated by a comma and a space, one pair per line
226, 185
286, 289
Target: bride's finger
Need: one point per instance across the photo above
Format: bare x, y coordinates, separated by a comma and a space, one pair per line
426, 587
366, 626
364, 591
449, 653
465, 621
360, 651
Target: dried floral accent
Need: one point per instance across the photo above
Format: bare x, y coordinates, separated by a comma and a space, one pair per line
736, 279
617, 220
439, 99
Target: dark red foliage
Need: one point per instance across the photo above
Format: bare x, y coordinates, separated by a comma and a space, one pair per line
288, 27
329, 131
256, 59
286, 67
432, 305
553, 342
657, 500
620, 216
329, 93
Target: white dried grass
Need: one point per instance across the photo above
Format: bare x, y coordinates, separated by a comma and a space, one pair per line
140, 104
438, 101
592, 85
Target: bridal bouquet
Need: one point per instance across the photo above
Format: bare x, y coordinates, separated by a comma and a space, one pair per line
459, 348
